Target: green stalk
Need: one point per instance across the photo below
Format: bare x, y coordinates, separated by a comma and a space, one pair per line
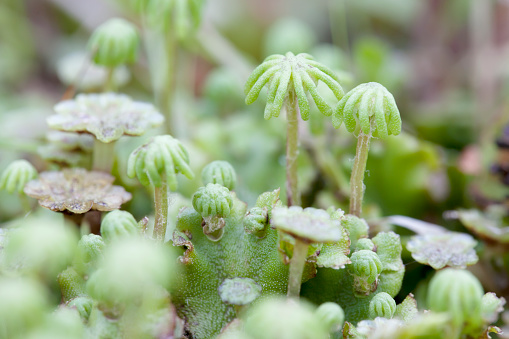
161, 209
103, 156
357, 178
109, 85
300, 251
292, 149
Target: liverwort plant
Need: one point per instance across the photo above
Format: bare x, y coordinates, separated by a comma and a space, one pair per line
290, 77
156, 164
369, 110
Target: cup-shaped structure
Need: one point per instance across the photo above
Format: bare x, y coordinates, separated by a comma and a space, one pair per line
17, 175
118, 224
161, 156
382, 305
114, 43
288, 72
457, 292
219, 172
370, 107
256, 221
239, 291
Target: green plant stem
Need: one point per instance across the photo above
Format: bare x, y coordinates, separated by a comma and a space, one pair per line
292, 149
103, 156
109, 85
161, 209
357, 178
300, 251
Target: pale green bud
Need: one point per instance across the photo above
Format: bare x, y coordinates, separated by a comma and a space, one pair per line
382, 305
16, 175
114, 43
219, 172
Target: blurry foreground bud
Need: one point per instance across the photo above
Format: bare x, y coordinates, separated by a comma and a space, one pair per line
276, 318
40, 247
331, 315
64, 323
457, 292
382, 305
132, 270
23, 306
114, 43
118, 224
366, 268
219, 172
17, 175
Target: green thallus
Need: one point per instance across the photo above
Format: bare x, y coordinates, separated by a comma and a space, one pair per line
290, 77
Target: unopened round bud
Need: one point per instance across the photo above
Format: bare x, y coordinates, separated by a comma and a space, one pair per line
331, 315
219, 172
114, 43
213, 200
16, 175
118, 224
365, 244
457, 292
88, 253
382, 305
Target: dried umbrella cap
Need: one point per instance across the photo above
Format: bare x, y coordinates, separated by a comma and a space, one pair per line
77, 191
450, 249
309, 225
286, 72
107, 116
239, 291
162, 155
114, 43
366, 103
17, 175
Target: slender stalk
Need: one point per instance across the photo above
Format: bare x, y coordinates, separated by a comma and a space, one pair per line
161, 209
357, 178
103, 156
300, 251
109, 85
292, 149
